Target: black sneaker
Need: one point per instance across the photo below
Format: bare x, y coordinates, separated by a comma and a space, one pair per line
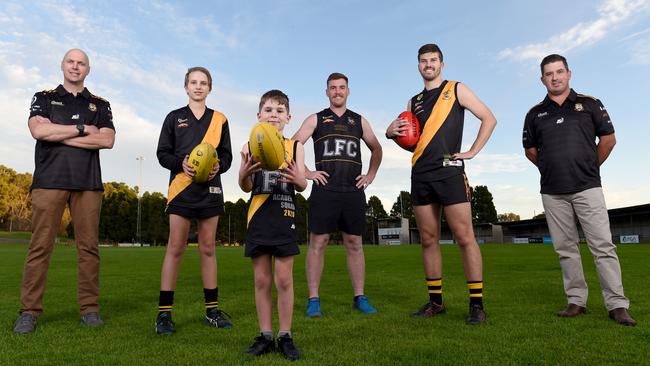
287, 348
218, 318
430, 309
261, 346
165, 324
476, 315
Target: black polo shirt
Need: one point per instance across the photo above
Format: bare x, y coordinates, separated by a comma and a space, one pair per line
59, 166
565, 138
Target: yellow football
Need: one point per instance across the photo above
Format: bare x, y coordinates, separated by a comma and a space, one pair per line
266, 146
203, 158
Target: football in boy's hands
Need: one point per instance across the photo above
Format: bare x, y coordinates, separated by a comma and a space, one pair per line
266, 146
202, 158
412, 134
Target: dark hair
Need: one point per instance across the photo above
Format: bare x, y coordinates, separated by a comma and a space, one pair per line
553, 58
337, 76
429, 47
275, 95
201, 69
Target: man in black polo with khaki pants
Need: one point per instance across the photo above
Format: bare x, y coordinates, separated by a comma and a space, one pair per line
70, 126
559, 138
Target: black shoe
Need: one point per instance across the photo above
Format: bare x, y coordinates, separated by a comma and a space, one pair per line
165, 324
261, 346
430, 309
476, 315
218, 318
287, 348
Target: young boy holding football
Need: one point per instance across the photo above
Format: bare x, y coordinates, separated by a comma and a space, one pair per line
271, 236
182, 130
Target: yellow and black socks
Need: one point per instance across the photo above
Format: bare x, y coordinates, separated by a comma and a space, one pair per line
165, 301
211, 299
434, 285
475, 293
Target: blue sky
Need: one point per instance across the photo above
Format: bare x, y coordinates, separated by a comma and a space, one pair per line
139, 52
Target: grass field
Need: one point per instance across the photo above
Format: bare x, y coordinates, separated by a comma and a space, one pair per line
523, 289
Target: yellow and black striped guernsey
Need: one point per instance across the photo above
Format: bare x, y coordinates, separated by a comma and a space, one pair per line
441, 120
272, 207
180, 133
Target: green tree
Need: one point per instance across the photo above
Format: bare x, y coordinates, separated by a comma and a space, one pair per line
483, 210
154, 220
118, 220
15, 203
508, 217
404, 208
232, 225
302, 210
375, 208
374, 211
540, 215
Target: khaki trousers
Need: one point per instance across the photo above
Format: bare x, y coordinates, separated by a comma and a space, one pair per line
47, 210
589, 208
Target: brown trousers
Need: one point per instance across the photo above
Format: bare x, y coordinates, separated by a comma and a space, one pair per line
47, 210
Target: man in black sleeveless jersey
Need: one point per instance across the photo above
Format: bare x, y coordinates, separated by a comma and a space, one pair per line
70, 126
337, 200
438, 177
559, 138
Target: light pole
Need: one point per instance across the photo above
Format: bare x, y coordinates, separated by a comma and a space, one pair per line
138, 226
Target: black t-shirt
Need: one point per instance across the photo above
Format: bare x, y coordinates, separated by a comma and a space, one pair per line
59, 166
180, 133
564, 136
446, 141
337, 148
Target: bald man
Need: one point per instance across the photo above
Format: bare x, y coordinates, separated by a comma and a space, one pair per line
70, 126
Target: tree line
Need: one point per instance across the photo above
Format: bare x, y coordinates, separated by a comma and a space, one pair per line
119, 216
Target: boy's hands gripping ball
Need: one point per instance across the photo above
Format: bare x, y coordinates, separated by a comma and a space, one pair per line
266, 146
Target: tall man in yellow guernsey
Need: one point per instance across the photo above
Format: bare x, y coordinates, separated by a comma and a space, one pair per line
438, 177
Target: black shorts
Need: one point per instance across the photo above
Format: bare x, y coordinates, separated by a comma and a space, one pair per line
195, 213
286, 250
330, 211
447, 192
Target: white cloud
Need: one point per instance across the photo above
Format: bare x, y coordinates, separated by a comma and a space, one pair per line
640, 52
612, 13
485, 163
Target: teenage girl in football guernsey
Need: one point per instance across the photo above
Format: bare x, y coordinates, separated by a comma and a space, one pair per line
271, 236
182, 130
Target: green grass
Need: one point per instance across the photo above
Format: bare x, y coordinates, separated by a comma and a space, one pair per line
523, 290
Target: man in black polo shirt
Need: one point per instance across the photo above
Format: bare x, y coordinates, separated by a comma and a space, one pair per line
70, 126
559, 138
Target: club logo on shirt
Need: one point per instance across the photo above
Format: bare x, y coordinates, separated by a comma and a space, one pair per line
560, 120
351, 121
419, 97
92, 107
446, 95
215, 190
182, 122
579, 108
328, 119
